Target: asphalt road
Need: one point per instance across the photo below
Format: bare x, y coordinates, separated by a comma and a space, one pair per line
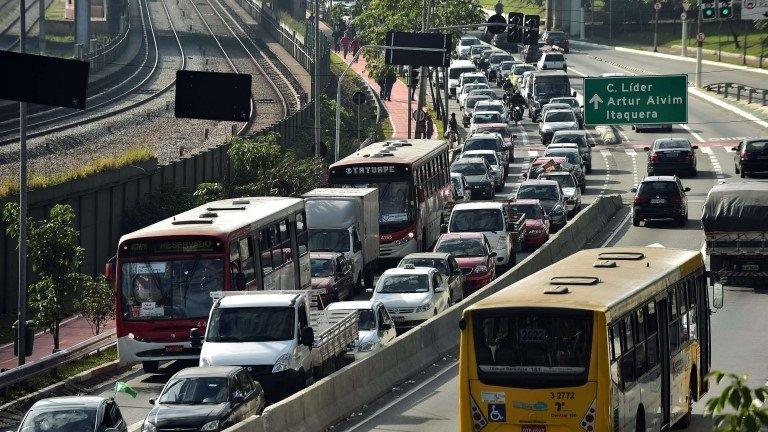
430, 402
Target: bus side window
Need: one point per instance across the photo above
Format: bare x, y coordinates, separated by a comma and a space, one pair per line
266, 254
692, 304
301, 233
234, 265
285, 241
246, 259
640, 347
674, 323
275, 246
652, 342
628, 358
615, 345
682, 303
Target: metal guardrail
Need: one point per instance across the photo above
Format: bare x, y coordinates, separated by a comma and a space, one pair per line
80, 350
107, 53
739, 91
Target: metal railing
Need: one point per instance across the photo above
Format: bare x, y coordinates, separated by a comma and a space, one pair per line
45, 364
740, 92
103, 55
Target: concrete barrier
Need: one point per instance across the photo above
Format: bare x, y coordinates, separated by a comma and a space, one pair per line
336, 396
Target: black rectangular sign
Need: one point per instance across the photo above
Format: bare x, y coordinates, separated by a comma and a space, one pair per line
440, 58
213, 96
165, 247
43, 80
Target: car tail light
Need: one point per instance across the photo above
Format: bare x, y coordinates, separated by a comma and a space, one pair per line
675, 199
689, 156
744, 154
640, 200
654, 157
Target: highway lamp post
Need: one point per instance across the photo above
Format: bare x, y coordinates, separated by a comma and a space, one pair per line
699, 44
316, 78
656, 8
21, 328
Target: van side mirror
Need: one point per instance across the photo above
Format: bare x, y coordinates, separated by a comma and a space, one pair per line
574, 93
492, 255
152, 401
443, 228
695, 147
307, 336
686, 189
717, 295
647, 148
385, 326
238, 399
194, 337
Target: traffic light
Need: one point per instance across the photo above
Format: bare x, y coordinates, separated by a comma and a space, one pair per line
515, 31
532, 21
531, 36
708, 11
725, 10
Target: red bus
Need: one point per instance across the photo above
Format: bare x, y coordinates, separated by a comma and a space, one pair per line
414, 185
165, 272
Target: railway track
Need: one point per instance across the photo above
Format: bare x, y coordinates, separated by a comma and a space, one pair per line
106, 103
31, 24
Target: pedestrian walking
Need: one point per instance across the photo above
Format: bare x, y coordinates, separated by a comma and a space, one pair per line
345, 42
414, 82
420, 117
354, 46
430, 127
389, 80
336, 36
381, 81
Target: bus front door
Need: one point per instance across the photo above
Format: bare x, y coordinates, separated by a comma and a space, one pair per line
665, 359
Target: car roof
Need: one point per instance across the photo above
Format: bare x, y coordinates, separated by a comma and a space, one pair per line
556, 105
457, 175
536, 182
430, 255
462, 235
208, 372
263, 298
479, 205
488, 113
554, 173
671, 139
473, 74
562, 150
480, 152
69, 401
660, 179
490, 102
354, 304
324, 255
413, 271
462, 64
526, 201
483, 134
559, 110
571, 132
469, 160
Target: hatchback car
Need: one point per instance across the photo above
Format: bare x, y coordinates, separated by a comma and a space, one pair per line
556, 38
549, 193
556, 120
579, 137
570, 188
672, 156
476, 51
466, 89
210, 398
474, 256
375, 327
74, 413
479, 177
751, 157
493, 159
446, 264
469, 107
491, 141
493, 106
536, 221
465, 44
331, 277
411, 295
574, 104
494, 60
660, 197
552, 60
484, 118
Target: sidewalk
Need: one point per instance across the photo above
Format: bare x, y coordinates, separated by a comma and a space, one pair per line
72, 331
397, 107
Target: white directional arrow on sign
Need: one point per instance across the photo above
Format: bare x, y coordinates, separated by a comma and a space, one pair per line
595, 99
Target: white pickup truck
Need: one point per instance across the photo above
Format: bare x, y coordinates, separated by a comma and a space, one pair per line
278, 336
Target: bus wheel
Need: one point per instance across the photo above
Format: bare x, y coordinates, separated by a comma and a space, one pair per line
150, 367
640, 420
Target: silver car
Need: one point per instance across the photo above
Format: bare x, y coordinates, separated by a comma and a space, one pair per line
446, 264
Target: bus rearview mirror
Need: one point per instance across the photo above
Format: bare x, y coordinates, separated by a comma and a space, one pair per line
717, 295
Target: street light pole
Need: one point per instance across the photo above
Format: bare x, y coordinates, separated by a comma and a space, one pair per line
699, 45
22, 301
656, 32
316, 78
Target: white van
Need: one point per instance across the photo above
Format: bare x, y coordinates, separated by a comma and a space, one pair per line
457, 68
489, 218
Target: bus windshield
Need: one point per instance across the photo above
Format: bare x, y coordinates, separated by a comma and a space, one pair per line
395, 206
329, 240
251, 324
532, 346
173, 289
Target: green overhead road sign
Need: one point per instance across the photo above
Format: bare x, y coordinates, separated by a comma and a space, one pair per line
647, 99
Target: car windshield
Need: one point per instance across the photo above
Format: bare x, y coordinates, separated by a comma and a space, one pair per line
552, 88
436, 263
173, 289
566, 181
251, 324
554, 57
486, 118
490, 157
559, 116
673, 144
455, 73
484, 92
533, 346
481, 144
506, 65
477, 49
366, 320
407, 283
60, 419
327, 240
539, 192
468, 88
531, 211
196, 391
469, 169
490, 107
757, 146
653, 188
477, 220
572, 138
572, 156
573, 103
474, 99
495, 59
462, 247
519, 69
469, 40
475, 79
322, 267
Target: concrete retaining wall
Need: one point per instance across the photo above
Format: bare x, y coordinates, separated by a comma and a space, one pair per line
333, 398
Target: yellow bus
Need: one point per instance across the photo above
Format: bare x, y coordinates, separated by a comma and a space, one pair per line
613, 339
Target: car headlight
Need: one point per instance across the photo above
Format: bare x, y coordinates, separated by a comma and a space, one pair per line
366, 346
423, 308
205, 361
148, 427
210, 426
482, 268
403, 240
282, 363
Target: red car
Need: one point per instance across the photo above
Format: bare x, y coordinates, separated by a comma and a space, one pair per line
474, 255
536, 222
331, 277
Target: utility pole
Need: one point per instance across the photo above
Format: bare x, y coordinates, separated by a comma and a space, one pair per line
699, 45
315, 84
41, 27
22, 302
656, 8
423, 70
610, 20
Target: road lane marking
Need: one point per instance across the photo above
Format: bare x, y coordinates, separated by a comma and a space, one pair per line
605, 154
698, 137
616, 231
623, 135
533, 153
719, 174
633, 156
631, 152
577, 72
706, 150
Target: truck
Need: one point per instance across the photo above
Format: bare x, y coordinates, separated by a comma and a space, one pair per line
346, 220
504, 231
736, 232
280, 337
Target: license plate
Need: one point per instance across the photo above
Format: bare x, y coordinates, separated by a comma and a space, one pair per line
534, 428
398, 318
673, 154
658, 201
750, 267
174, 348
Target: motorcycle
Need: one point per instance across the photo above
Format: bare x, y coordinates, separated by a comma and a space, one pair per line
517, 113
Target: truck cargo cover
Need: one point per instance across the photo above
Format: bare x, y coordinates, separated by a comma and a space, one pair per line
331, 213
736, 206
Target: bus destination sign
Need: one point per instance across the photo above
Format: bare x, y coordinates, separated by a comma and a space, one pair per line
368, 170
169, 247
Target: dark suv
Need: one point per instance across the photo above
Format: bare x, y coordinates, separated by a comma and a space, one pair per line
660, 197
671, 155
751, 157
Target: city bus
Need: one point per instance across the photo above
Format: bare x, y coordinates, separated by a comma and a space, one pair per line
165, 272
613, 339
414, 185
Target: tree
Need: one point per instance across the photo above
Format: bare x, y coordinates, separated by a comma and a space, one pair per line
97, 304
743, 415
55, 256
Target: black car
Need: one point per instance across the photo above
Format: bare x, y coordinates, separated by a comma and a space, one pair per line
74, 413
478, 175
672, 156
751, 157
660, 197
483, 60
205, 399
501, 41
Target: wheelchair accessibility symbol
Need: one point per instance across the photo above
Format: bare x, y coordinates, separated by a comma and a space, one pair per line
497, 413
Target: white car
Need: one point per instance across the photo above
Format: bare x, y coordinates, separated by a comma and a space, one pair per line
493, 158
471, 78
375, 327
526, 83
461, 96
552, 60
494, 106
489, 218
465, 44
457, 68
411, 295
